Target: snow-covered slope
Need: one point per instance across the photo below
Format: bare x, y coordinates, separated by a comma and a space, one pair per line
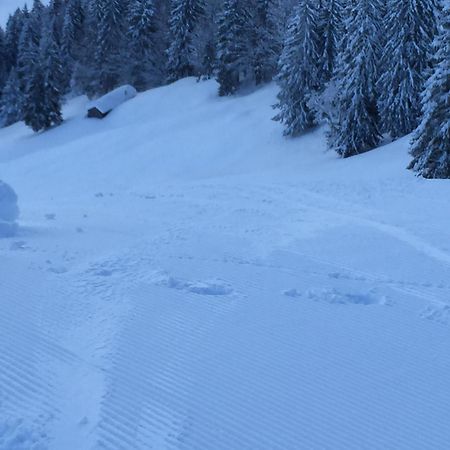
186, 278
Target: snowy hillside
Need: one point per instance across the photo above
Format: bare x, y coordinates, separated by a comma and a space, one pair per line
186, 278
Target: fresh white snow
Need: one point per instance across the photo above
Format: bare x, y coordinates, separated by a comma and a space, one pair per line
186, 278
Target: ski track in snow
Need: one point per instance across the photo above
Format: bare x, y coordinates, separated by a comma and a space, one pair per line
265, 309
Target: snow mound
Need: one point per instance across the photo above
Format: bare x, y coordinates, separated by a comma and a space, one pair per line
9, 211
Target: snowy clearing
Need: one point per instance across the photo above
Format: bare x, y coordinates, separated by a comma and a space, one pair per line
186, 278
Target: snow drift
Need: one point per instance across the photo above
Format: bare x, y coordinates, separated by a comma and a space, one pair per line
9, 211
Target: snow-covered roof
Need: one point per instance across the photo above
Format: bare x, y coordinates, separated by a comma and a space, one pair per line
113, 99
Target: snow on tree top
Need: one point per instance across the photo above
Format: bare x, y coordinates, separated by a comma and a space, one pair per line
103, 105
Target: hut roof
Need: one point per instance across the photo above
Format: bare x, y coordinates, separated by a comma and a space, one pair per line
113, 99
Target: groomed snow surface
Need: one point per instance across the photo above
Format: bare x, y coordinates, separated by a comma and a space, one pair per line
186, 278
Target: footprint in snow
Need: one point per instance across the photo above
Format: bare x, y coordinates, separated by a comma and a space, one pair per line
18, 245
439, 312
215, 287
335, 297
103, 272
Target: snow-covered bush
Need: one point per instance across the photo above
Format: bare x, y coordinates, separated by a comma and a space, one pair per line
9, 211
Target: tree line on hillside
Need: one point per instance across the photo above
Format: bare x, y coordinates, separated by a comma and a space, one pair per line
370, 69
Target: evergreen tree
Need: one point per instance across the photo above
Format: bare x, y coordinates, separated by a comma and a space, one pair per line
266, 40
56, 13
356, 126
299, 75
11, 101
12, 36
34, 101
410, 29
209, 60
73, 27
73, 39
108, 22
37, 11
185, 18
233, 55
145, 59
431, 141
3, 60
42, 103
28, 50
331, 24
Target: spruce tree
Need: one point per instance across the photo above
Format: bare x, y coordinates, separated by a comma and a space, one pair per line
28, 50
34, 101
209, 60
331, 25
410, 29
56, 12
108, 64
299, 74
233, 53
431, 141
11, 101
3, 60
185, 18
266, 40
73, 39
42, 102
145, 58
73, 27
356, 127
12, 36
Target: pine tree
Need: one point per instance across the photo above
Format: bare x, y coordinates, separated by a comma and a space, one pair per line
299, 74
356, 128
28, 50
11, 101
233, 53
73, 39
410, 29
107, 67
431, 141
73, 27
185, 18
37, 11
145, 58
12, 36
209, 60
3, 60
56, 13
42, 102
266, 40
331, 24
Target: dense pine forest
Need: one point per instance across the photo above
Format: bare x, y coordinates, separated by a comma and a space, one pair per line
372, 70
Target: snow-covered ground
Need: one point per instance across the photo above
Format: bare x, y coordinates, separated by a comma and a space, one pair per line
186, 278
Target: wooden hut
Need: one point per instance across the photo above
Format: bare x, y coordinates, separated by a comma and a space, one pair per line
101, 107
